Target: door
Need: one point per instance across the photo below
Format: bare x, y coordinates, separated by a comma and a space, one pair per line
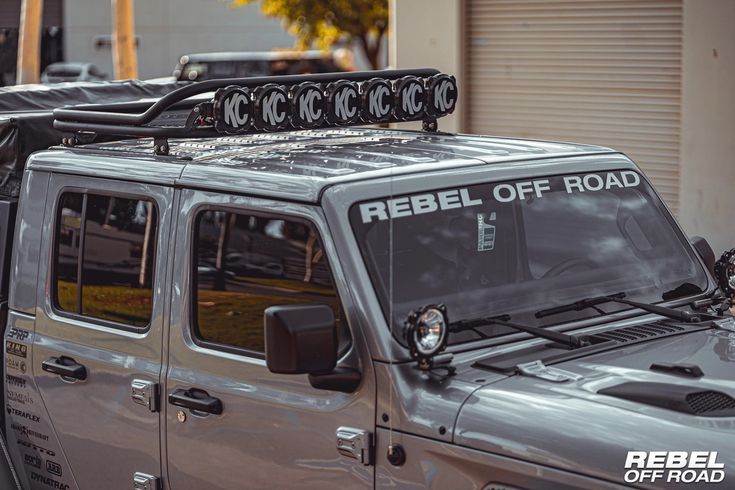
235, 256
98, 330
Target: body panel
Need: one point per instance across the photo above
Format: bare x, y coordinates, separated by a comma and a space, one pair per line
96, 419
274, 430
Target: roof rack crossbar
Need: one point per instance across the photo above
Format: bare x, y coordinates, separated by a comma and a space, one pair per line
92, 114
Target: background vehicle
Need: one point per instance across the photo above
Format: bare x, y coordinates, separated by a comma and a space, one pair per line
68, 71
208, 66
144, 271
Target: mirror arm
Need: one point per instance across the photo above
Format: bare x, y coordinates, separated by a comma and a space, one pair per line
342, 379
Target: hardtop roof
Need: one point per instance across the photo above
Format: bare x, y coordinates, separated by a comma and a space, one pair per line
298, 165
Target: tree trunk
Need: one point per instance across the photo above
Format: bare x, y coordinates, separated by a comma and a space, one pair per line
124, 54
29, 42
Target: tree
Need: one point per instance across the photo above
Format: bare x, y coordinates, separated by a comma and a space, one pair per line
326, 22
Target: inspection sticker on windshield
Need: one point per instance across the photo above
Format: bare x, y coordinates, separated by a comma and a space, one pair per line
485, 232
505, 192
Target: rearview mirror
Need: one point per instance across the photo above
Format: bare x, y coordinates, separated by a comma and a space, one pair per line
300, 339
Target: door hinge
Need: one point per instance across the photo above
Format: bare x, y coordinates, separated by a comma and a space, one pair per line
146, 393
143, 481
356, 444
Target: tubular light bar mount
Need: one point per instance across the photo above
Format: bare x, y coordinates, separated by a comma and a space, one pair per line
270, 104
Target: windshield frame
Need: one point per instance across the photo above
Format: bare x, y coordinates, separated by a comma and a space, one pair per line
336, 204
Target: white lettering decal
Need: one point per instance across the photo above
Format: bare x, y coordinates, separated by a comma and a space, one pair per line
373, 210
376, 99
306, 106
270, 104
233, 115
399, 207
340, 103
572, 181
511, 193
441, 96
410, 104
587, 179
424, 203
630, 179
467, 201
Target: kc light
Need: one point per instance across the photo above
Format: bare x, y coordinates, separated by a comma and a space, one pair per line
308, 105
377, 101
441, 95
725, 273
410, 98
426, 333
343, 103
271, 109
233, 109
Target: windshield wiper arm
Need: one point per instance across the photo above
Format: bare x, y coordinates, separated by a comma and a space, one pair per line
678, 315
572, 341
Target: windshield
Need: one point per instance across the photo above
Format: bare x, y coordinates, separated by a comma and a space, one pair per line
520, 246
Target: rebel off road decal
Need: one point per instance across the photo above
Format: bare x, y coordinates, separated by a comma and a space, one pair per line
503, 192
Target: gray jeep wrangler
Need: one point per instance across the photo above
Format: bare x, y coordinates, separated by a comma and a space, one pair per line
241, 291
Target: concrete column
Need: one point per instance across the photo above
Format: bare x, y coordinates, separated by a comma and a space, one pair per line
428, 34
707, 192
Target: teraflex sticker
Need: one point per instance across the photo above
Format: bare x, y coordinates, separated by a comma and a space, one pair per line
486, 231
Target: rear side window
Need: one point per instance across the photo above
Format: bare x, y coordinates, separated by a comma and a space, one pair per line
105, 257
246, 263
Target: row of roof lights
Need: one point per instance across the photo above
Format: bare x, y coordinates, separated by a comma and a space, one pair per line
275, 107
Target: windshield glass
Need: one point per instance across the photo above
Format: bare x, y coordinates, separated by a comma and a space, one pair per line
519, 246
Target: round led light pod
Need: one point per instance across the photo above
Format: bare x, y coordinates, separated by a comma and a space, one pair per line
308, 105
232, 109
725, 273
441, 95
410, 99
426, 333
376, 100
270, 107
343, 103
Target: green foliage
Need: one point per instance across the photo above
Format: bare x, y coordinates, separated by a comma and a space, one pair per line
324, 22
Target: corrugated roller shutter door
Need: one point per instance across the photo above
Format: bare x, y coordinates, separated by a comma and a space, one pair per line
606, 72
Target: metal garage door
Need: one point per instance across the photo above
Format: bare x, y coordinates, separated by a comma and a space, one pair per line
606, 72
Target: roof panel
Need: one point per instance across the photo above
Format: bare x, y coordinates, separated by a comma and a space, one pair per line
298, 165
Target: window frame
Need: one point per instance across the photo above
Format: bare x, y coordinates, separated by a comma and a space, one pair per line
197, 213
55, 308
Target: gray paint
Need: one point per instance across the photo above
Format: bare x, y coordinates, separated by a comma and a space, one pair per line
466, 431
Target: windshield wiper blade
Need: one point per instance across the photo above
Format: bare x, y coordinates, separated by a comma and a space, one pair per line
678, 315
572, 341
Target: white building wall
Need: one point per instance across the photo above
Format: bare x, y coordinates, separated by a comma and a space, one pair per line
707, 193
168, 29
428, 34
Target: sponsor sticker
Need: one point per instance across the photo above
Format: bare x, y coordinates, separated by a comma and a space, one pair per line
15, 364
28, 432
20, 397
486, 231
36, 447
673, 467
32, 460
53, 467
16, 349
48, 481
18, 334
23, 414
16, 381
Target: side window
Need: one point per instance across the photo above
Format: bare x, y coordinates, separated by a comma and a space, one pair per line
246, 263
105, 257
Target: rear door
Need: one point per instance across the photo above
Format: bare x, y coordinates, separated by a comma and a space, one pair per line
235, 256
96, 357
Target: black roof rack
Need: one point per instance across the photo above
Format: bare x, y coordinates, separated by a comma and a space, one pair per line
268, 104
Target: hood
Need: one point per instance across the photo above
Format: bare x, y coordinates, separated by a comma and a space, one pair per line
572, 425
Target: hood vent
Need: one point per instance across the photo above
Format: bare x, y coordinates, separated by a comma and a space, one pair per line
680, 398
639, 332
709, 403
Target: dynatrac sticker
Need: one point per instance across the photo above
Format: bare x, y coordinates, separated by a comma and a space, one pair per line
673, 467
499, 192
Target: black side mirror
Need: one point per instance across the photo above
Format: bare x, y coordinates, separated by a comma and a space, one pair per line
705, 252
302, 339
